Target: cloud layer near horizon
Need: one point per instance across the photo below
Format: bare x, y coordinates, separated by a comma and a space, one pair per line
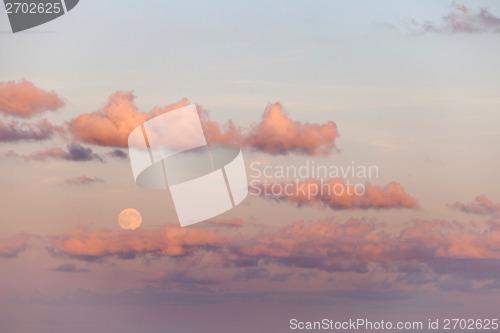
170, 241
418, 254
362, 239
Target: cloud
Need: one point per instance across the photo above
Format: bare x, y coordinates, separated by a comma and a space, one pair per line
282, 276
112, 125
226, 223
420, 253
337, 194
276, 133
68, 268
462, 20
467, 268
118, 153
424, 252
11, 247
83, 180
327, 246
75, 152
15, 131
481, 206
98, 244
185, 278
253, 273
23, 99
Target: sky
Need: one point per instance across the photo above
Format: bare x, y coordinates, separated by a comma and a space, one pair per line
408, 87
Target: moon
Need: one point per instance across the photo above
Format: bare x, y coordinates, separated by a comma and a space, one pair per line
129, 219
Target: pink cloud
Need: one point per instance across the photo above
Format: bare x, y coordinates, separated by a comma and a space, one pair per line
337, 194
276, 133
436, 246
24, 99
112, 125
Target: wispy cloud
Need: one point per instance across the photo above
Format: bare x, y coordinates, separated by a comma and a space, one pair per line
75, 152
118, 153
481, 206
227, 222
68, 268
15, 131
82, 180
461, 19
185, 278
11, 247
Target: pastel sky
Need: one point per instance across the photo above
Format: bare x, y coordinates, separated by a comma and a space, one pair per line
409, 87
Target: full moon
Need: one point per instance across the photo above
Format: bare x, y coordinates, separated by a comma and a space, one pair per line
129, 219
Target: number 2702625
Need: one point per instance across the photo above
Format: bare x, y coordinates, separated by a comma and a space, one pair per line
470, 324
33, 8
